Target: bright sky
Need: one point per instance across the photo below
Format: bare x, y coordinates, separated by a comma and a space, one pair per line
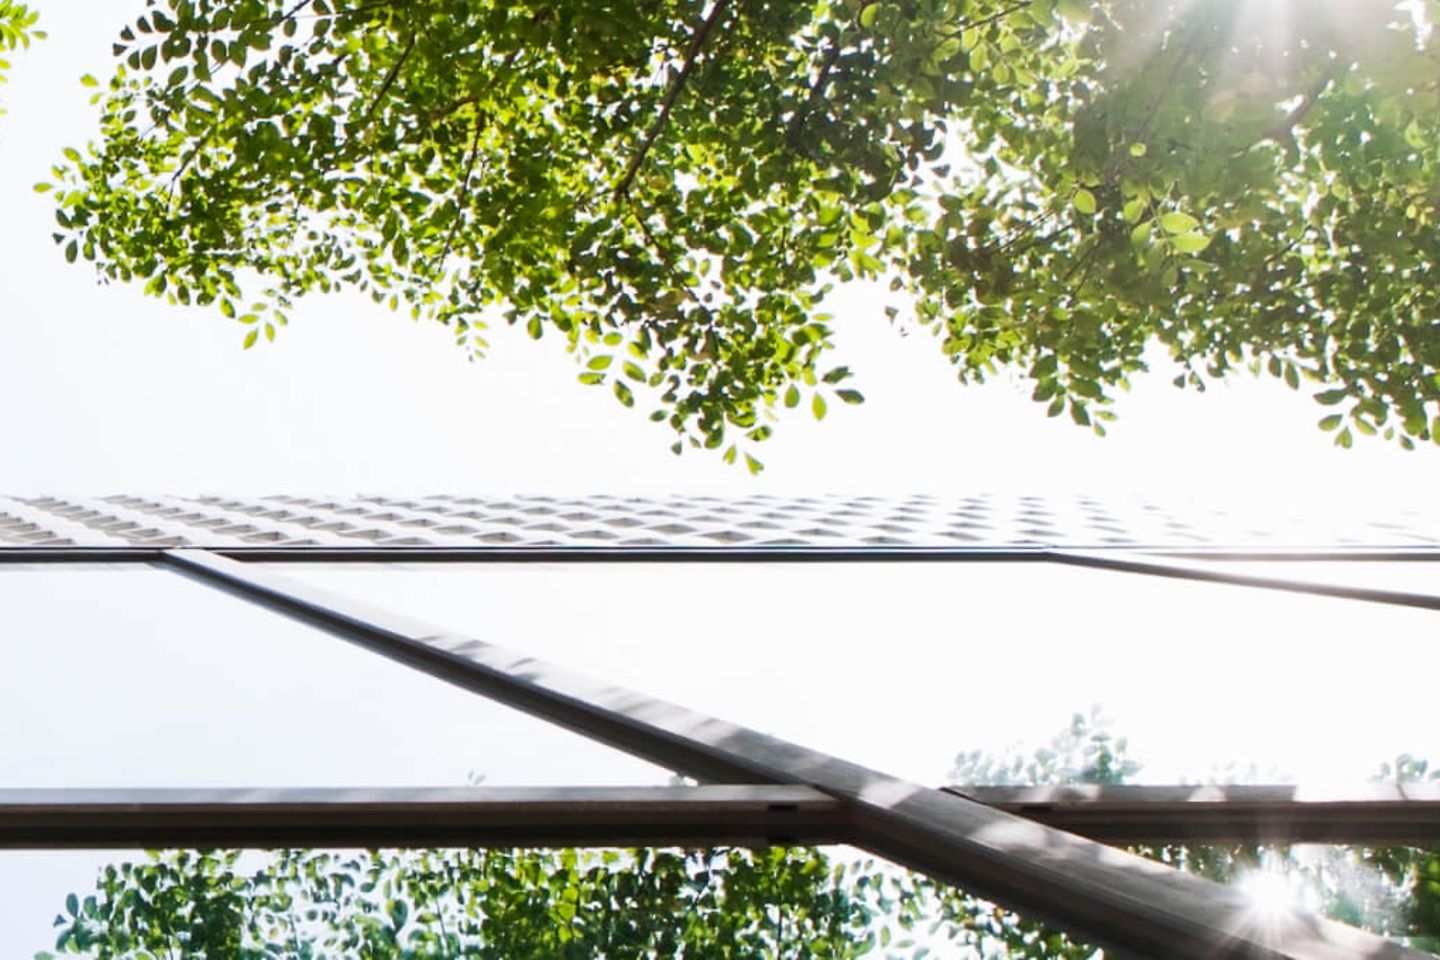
105, 391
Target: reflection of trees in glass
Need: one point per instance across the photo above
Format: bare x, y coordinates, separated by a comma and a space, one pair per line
660, 903
1393, 891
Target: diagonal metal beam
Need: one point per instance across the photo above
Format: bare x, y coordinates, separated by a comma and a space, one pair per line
1378, 814
1135, 906
433, 817
1208, 572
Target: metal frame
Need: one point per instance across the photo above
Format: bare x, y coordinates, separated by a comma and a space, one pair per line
1379, 814
1134, 906
434, 817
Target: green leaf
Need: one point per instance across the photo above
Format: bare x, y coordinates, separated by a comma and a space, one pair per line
1190, 242
817, 406
850, 396
1331, 422
1084, 201
792, 396
753, 465
1178, 223
251, 337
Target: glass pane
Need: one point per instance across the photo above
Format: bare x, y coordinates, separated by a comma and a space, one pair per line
135, 676
902, 666
1405, 576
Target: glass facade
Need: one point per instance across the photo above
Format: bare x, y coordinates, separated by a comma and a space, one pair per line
246, 680
901, 667
133, 676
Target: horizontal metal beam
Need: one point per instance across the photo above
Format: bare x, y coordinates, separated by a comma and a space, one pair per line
576, 553
434, 817
568, 553
1208, 572
13, 554
1374, 814
1137, 907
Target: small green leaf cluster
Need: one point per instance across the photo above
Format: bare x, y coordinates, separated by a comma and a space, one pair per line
677, 188
17, 29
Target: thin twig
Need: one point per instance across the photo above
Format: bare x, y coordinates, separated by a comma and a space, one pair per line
812, 100
697, 43
822, 78
832, 56
290, 14
463, 193
388, 83
987, 20
665, 258
1122, 152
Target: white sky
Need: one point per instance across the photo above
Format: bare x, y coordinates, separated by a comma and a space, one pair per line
105, 391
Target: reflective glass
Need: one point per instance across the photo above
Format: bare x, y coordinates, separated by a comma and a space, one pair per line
136, 676
901, 666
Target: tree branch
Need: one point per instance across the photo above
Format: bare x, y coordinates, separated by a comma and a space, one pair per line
697, 43
1283, 130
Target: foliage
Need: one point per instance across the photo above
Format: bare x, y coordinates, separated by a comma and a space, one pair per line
675, 187
715, 903
17, 27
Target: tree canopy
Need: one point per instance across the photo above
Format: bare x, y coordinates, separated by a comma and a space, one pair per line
677, 187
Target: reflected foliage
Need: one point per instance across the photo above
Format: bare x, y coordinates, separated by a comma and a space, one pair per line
675, 188
1393, 891
726, 903
477, 904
